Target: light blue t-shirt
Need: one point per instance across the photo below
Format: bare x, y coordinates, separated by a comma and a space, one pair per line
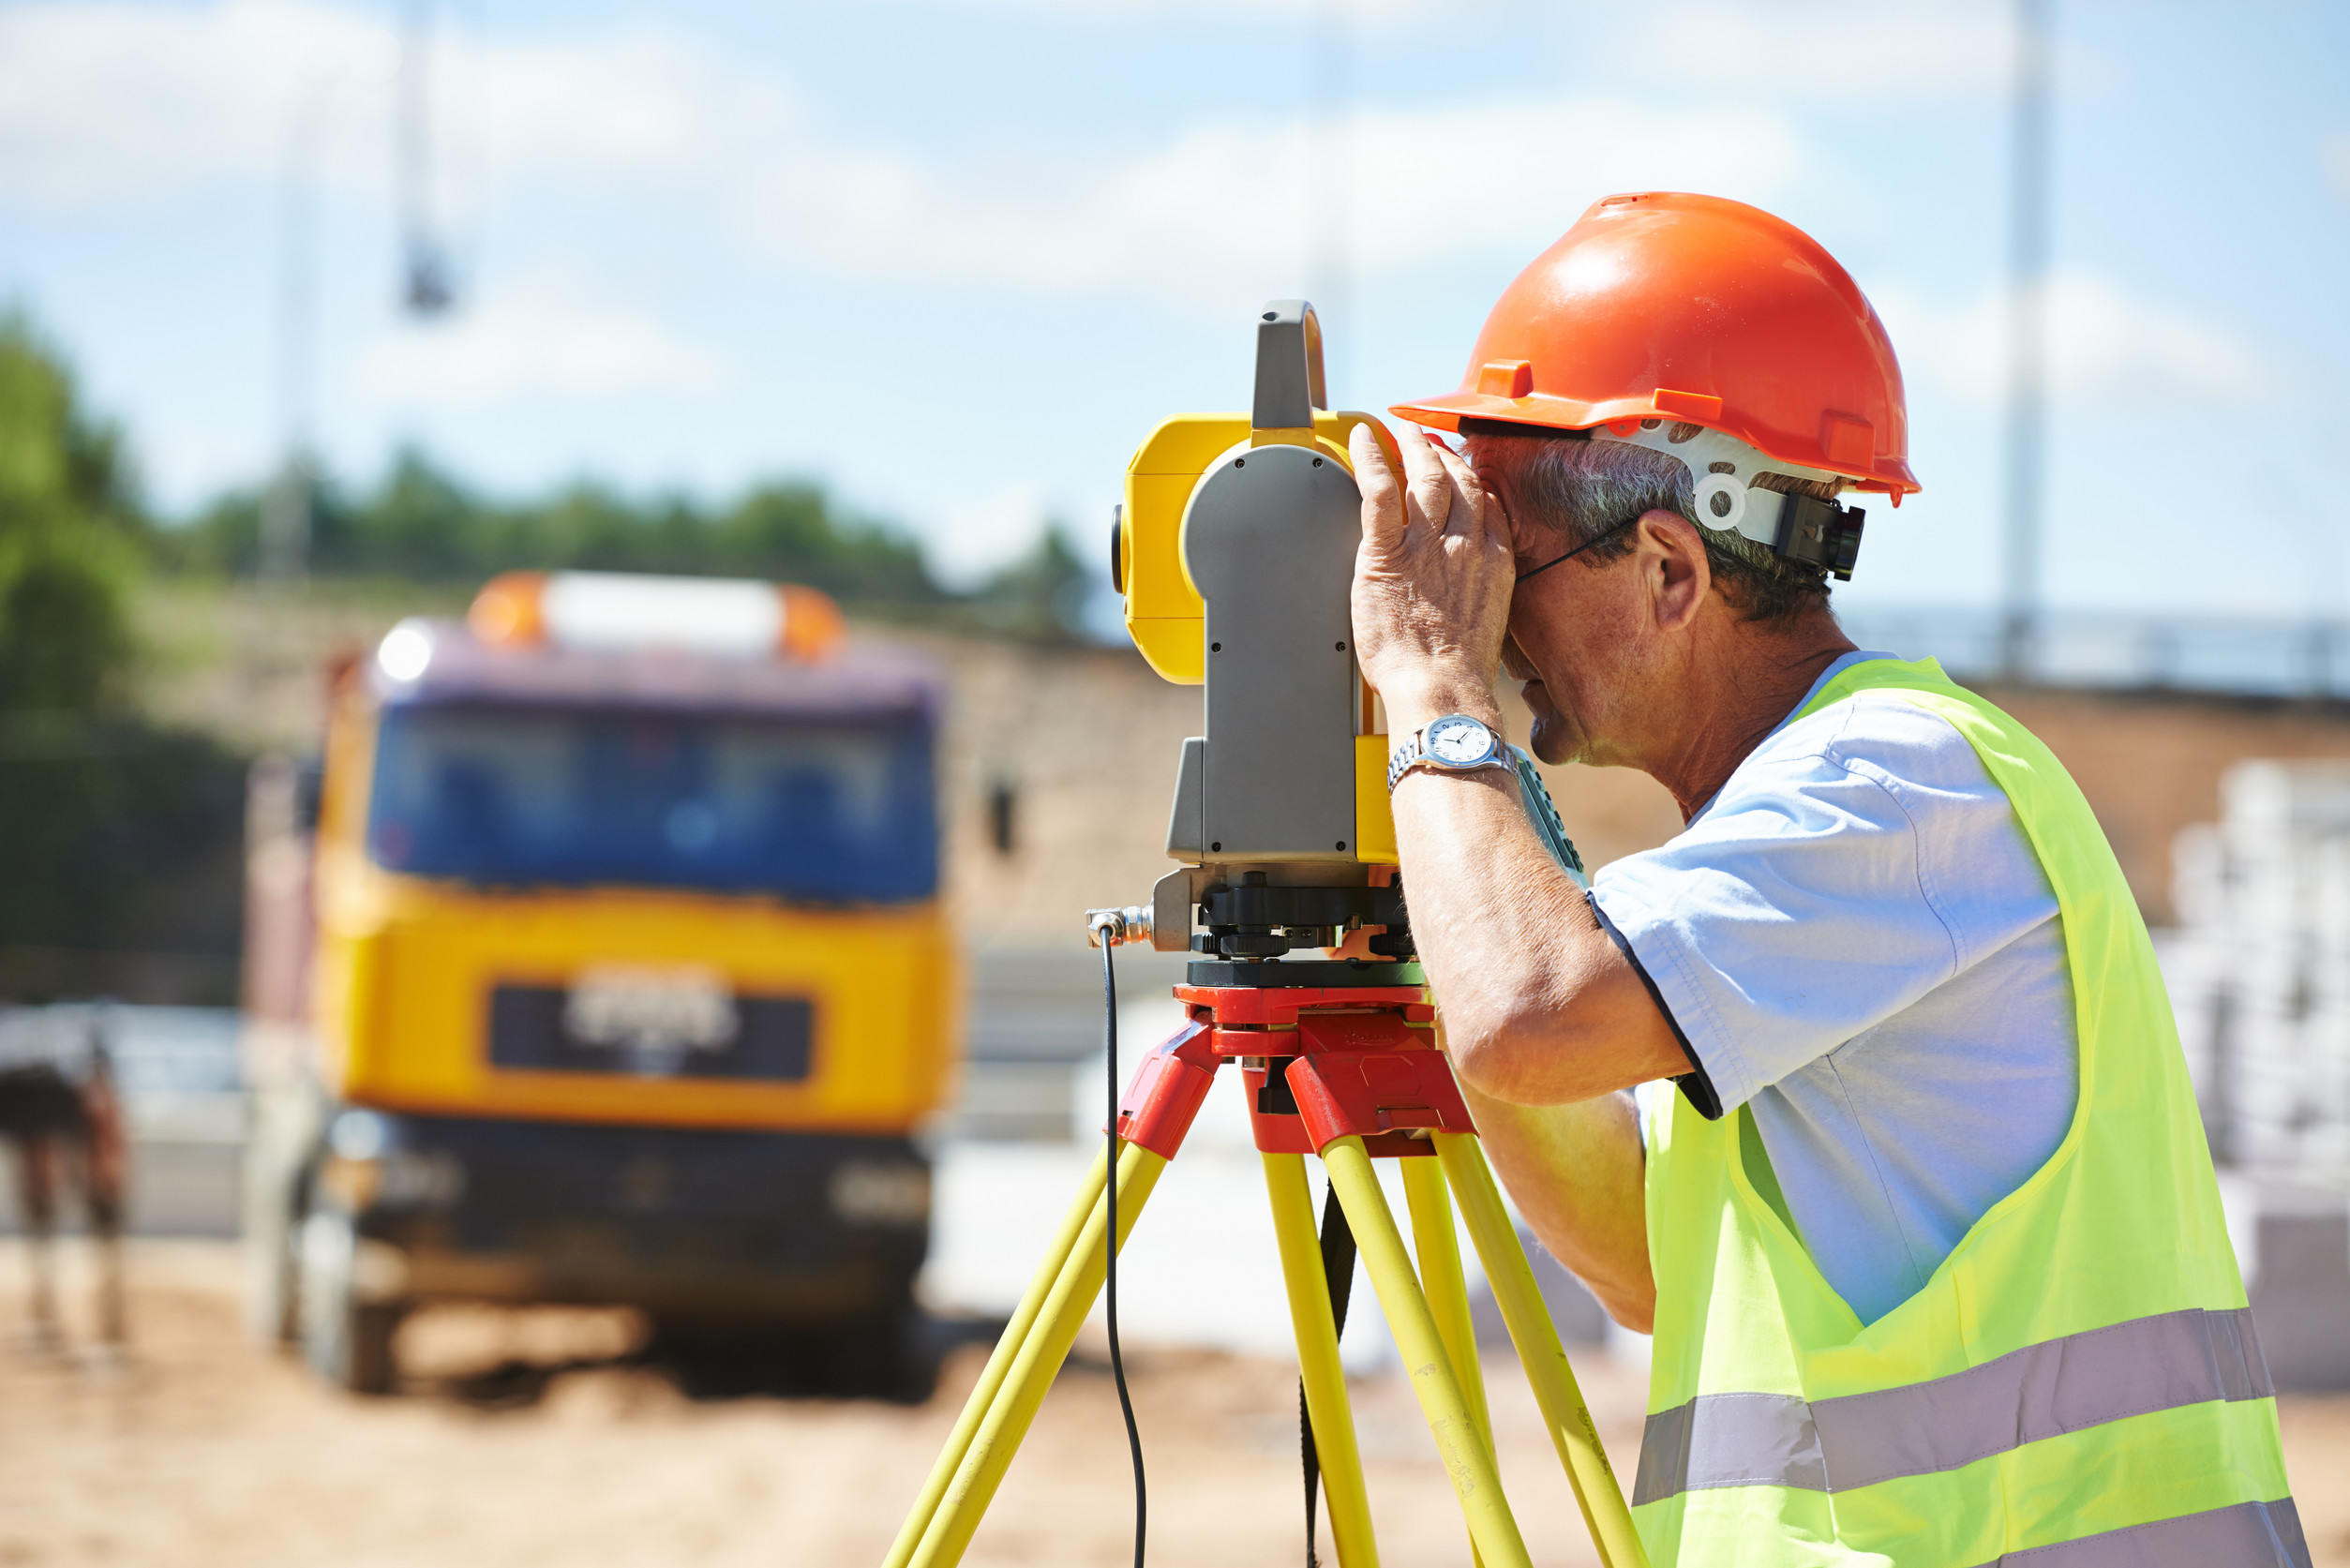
1855, 939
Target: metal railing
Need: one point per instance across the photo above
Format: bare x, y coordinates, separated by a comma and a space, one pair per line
2241, 655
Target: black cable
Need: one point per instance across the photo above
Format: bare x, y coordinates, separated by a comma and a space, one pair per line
1110, 1275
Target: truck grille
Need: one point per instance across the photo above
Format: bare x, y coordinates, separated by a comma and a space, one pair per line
532, 1030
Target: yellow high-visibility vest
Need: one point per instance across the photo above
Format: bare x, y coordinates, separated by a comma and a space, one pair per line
2077, 1385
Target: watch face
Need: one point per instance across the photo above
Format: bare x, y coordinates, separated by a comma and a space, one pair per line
1460, 740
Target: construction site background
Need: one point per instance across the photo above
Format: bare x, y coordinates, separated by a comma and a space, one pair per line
207, 1450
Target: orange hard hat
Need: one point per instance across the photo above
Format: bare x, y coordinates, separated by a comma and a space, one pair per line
1667, 305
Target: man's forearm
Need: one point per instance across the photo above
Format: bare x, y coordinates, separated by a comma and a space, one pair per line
1541, 1008
1577, 1172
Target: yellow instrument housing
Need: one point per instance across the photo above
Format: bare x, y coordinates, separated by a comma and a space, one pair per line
1164, 613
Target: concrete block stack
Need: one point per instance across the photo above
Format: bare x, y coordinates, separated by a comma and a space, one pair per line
2259, 973
2260, 969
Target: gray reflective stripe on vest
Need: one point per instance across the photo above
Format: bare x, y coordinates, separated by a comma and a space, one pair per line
2249, 1535
2041, 1391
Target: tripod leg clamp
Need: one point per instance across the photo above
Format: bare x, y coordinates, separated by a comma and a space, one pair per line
1167, 1090
1364, 1093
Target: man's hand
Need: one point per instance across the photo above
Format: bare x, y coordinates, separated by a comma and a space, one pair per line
1543, 1018
1432, 582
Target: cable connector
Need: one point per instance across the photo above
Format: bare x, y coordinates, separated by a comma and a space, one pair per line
1108, 927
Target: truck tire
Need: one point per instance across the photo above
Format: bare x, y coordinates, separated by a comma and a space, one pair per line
346, 1340
893, 1355
896, 1358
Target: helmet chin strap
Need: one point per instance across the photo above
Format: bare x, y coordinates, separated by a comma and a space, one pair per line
1722, 470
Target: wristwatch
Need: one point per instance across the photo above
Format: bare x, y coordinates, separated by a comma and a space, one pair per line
1455, 742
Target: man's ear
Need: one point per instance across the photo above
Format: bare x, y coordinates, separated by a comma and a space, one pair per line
1680, 574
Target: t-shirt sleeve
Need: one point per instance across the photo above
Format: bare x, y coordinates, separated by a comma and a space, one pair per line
1787, 918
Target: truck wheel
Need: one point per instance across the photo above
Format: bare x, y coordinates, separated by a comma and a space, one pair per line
346, 1340
894, 1357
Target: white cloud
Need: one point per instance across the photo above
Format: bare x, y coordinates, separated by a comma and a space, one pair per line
537, 337
122, 100
120, 103
1375, 13
1828, 51
641, 101
106, 103
1706, 49
1224, 210
2107, 347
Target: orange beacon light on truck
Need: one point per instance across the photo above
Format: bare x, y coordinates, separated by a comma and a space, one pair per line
612, 610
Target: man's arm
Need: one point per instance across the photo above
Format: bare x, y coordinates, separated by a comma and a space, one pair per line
1576, 1171
1543, 1018
1540, 1007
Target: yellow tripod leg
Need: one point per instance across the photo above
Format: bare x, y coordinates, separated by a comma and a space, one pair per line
1439, 1250
1447, 1289
1318, 1362
1006, 1348
1466, 1459
1034, 1367
1539, 1350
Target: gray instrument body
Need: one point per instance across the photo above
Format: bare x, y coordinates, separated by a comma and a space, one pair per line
1270, 539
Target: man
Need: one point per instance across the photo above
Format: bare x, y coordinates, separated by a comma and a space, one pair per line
1925, 1225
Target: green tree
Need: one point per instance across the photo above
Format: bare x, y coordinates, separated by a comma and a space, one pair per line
114, 838
424, 524
1041, 597
421, 523
69, 529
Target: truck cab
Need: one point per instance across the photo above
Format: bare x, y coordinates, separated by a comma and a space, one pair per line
625, 982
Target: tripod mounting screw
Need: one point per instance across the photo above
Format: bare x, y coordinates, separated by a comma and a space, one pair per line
1107, 928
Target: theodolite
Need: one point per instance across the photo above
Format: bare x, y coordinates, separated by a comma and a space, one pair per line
1235, 550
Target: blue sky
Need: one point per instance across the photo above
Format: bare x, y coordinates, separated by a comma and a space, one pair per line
955, 258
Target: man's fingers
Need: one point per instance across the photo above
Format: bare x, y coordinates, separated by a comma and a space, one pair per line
1464, 482
1428, 487
1383, 503
1476, 514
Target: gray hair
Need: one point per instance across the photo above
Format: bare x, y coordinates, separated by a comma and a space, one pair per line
1584, 489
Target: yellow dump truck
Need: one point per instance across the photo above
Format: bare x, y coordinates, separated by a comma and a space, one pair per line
608, 968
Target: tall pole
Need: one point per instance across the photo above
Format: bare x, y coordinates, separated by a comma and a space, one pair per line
285, 532
1331, 249
426, 289
2028, 303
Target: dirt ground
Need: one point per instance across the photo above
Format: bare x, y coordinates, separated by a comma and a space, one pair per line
204, 1452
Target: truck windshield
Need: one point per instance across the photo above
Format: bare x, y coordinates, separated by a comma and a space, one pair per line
805, 809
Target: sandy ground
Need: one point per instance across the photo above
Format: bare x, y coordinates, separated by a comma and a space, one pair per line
203, 1451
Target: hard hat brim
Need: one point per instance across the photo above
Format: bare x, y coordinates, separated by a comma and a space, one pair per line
1888, 474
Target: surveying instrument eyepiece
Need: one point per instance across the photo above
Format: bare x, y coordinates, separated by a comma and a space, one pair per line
1235, 550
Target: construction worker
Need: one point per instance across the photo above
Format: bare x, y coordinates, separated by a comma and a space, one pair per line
1909, 1182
